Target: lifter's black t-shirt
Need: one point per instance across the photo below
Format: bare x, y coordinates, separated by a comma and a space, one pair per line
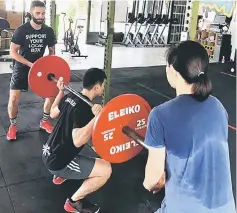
59, 149
33, 42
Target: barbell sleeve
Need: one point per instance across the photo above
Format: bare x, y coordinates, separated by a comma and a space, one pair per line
134, 135
51, 77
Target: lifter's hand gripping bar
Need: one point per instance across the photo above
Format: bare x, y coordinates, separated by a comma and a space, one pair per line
51, 77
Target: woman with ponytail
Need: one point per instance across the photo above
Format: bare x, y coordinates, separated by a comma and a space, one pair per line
188, 139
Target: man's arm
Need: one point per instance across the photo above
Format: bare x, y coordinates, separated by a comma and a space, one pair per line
51, 42
82, 133
54, 111
52, 50
18, 40
14, 49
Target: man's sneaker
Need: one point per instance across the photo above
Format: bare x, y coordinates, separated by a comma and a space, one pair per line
58, 180
11, 134
81, 206
46, 125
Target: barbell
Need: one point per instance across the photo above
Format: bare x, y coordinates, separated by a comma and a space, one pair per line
119, 130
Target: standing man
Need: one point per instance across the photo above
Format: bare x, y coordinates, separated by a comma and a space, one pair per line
28, 45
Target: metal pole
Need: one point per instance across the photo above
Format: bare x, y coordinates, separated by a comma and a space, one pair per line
24, 11
53, 14
170, 15
194, 20
108, 48
88, 20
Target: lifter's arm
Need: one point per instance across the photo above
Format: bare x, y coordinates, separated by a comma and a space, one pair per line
14, 49
82, 135
54, 111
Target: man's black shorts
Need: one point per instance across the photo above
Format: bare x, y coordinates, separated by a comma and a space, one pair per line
79, 168
19, 79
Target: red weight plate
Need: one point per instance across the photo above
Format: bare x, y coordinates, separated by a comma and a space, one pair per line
38, 75
109, 141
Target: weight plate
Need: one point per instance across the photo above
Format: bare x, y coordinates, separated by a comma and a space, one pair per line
109, 141
38, 75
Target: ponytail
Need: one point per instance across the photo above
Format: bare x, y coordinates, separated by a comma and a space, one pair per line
202, 88
190, 60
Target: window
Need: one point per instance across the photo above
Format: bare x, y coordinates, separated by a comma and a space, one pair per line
17, 5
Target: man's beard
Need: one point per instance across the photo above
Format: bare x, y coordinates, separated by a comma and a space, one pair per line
37, 21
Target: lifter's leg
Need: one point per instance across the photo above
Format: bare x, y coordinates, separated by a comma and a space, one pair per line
12, 112
98, 177
44, 123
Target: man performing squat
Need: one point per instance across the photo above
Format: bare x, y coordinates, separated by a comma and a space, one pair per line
28, 45
61, 152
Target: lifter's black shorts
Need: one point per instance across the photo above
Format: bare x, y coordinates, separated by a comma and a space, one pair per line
79, 168
19, 79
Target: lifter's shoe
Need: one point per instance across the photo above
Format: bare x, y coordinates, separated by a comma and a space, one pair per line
81, 206
58, 180
46, 125
11, 134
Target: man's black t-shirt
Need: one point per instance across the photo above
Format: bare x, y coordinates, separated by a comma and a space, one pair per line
33, 42
59, 149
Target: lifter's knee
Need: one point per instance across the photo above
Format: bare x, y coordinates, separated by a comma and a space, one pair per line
106, 169
102, 169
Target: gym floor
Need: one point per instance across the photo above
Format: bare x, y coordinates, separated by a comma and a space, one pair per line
25, 184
